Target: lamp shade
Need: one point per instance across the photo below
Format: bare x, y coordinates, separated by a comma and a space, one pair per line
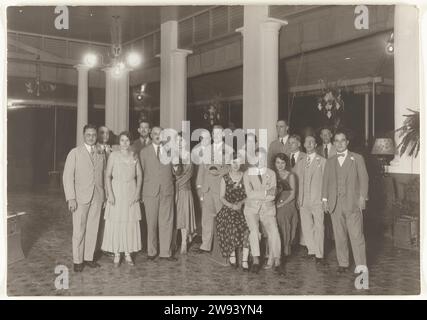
383, 146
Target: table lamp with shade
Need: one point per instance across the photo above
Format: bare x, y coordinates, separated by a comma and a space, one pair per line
384, 150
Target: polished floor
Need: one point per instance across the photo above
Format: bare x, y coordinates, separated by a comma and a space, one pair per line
46, 239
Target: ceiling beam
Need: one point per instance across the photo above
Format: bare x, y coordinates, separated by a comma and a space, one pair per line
37, 55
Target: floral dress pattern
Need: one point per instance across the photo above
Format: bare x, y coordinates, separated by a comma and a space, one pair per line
232, 229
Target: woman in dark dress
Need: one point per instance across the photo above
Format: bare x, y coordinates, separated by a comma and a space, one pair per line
232, 230
286, 213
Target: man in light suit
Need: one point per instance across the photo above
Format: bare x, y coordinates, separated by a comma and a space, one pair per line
144, 130
344, 196
326, 149
295, 153
281, 144
310, 172
260, 186
158, 197
296, 156
83, 181
208, 183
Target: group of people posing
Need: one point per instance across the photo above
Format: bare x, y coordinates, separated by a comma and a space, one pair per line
281, 196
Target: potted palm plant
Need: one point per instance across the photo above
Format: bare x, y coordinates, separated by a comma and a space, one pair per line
410, 134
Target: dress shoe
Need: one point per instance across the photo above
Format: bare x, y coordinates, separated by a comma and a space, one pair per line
256, 267
245, 266
233, 263
78, 267
342, 269
129, 260
92, 264
201, 251
169, 258
321, 261
151, 258
310, 256
108, 254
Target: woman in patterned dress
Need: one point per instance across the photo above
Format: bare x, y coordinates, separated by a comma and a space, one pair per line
232, 230
123, 179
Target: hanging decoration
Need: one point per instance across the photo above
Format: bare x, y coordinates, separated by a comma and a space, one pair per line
212, 113
331, 106
37, 86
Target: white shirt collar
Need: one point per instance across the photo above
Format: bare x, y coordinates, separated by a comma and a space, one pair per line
262, 170
311, 156
344, 152
296, 154
284, 139
88, 147
218, 144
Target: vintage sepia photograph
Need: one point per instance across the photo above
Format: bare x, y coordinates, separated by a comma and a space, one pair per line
213, 150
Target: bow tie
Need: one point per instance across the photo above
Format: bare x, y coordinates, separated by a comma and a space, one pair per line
340, 154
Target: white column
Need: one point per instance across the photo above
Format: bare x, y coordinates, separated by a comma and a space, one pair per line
260, 69
406, 78
173, 78
82, 100
117, 99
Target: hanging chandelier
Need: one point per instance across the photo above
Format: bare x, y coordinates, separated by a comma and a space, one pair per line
116, 59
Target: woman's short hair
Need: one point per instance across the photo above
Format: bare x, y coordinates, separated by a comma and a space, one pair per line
125, 133
282, 157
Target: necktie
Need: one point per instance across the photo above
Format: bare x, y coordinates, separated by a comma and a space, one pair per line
293, 160
260, 176
282, 141
326, 152
158, 152
308, 162
92, 151
342, 154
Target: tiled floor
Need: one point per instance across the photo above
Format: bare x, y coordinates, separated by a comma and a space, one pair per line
47, 243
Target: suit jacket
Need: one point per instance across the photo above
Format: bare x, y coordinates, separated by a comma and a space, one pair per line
209, 179
157, 176
301, 157
83, 176
255, 192
311, 181
277, 147
138, 145
321, 151
356, 181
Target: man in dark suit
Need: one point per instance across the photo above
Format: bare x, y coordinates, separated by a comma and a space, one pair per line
281, 144
344, 196
103, 141
144, 136
144, 130
157, 194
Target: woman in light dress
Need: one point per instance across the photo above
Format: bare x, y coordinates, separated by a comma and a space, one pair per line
123, 179
185, 212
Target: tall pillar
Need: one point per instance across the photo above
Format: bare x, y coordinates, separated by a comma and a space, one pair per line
406, 78
260, 69
173, 78
117, 99
82, 100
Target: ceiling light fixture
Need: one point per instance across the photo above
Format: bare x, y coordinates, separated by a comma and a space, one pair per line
133, 59
90, 59
389, 48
